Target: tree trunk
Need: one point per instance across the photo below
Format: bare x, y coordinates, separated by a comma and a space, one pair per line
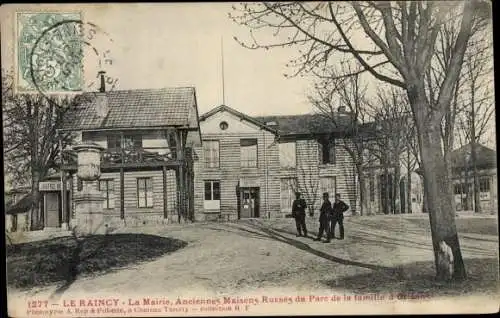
35, 216
466, 186
408, 186
396, 188
477, 201
386, 198
448, 257
362, 191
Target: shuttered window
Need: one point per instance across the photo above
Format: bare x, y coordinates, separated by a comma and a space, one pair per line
328, 184
211, 153
144, 192
248, 153
288, 187
287, 155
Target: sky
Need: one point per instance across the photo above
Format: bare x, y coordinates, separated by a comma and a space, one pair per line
168, 45
179, 44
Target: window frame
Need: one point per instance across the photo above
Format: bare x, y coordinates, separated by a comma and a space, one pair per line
213, 203
282, 165
329, 145
206, 157
331, 194
484, 185
145, 180
108, 193
242, 165
137, 141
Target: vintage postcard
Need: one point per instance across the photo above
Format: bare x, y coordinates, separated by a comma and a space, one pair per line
242, 159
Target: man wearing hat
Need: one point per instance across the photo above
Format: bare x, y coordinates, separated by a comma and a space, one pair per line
325, 218
299, 213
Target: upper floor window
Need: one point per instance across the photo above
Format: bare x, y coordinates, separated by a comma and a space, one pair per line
211, 153
287, 155
129, 141
248, 153
327, 151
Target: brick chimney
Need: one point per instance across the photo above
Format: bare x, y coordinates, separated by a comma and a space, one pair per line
102, 107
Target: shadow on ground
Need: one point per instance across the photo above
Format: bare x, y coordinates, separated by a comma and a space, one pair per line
63, 259
258, 229
419, 278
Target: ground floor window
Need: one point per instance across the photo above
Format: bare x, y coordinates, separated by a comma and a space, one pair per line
145, 192
328, 184
212, 195
106, 187
288, 187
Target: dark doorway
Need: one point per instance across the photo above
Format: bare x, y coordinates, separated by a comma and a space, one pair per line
249, 203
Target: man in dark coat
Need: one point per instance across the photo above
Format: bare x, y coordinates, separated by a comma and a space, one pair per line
338, 209
324, 218
299, 213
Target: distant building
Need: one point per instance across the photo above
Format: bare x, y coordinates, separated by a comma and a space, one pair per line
462, 174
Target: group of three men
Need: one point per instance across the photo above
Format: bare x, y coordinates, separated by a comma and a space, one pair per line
329, 216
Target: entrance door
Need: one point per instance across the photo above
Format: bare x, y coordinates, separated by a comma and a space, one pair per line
249, 203
52, 209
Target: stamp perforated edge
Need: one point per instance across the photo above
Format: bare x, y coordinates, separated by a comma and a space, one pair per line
16, 59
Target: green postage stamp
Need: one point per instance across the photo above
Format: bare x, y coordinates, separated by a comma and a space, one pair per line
49, 53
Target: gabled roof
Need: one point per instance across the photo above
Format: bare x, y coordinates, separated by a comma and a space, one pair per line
237, 114
290, 125
486, 157
135, 108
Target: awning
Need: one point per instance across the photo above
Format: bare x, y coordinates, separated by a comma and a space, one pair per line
21, 206
249, 182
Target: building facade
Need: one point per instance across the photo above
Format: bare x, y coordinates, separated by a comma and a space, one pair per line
146, 166
252, 166
463, 178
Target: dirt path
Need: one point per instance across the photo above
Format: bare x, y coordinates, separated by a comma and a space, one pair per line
233, 258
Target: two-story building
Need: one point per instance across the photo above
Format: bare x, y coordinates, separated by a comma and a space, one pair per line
146, 167
463, 178
250, 167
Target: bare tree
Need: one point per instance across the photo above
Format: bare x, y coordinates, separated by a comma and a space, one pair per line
478, 106
390, 110
31, 142
343, 102
398, 48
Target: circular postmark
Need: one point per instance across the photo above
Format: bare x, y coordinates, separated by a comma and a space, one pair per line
63, 53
